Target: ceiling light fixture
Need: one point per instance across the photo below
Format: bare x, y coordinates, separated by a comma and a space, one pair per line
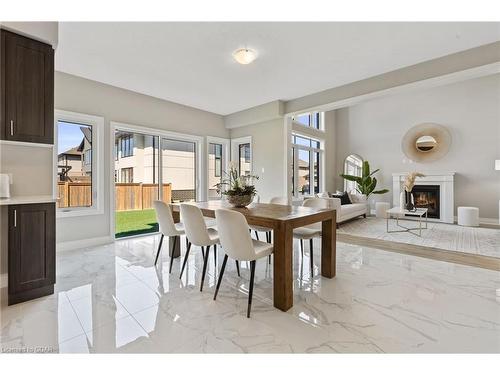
244, 55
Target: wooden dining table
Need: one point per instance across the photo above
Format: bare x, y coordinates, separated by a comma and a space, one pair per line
282, 220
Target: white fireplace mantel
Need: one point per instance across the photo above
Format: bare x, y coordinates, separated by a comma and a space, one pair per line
445, 181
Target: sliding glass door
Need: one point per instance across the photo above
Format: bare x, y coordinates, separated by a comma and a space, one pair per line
136, 176
179, 169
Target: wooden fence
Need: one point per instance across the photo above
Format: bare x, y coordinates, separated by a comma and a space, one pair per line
127, 196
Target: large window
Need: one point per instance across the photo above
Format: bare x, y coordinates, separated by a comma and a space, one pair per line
179, 168
136, 184
78, 142
307, 156
353, 165
215, 168
311, 120
244, 159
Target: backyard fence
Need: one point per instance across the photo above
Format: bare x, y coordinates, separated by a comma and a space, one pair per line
128, 196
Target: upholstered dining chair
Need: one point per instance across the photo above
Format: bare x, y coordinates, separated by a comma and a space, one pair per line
199, 235
309, 232
167, 228
239, 245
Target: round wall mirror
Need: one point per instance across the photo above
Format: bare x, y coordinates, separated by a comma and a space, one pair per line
426, 143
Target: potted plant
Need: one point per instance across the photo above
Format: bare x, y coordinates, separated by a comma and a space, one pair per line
366, 184
408, 185
239, 190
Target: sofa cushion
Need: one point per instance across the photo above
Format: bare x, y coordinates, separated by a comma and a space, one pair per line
353, 208
344, 198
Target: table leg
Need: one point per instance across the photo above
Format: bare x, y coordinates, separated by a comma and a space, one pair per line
283, 267
328, 247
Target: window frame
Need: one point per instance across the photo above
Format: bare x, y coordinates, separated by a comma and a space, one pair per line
97, 124
320, 118
225, 143
312, 151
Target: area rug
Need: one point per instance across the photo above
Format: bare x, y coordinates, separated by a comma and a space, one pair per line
478, 240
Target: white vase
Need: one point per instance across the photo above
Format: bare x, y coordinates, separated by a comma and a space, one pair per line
402, 200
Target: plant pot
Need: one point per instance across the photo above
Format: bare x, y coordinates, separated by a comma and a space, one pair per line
240, 200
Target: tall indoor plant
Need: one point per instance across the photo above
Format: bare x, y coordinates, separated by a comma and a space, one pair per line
239, 190
365, 183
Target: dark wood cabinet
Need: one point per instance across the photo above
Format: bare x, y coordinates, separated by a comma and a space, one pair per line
31, 251
27, 89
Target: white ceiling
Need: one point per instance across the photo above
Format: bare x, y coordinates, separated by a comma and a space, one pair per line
191, 63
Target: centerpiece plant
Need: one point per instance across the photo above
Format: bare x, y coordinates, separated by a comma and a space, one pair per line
239, 189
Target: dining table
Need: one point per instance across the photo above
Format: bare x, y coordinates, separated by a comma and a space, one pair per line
282, 220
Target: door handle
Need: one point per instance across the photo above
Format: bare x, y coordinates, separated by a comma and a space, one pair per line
15, 218
11, 127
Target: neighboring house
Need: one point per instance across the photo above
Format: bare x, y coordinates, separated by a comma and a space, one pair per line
86, 149
69, 164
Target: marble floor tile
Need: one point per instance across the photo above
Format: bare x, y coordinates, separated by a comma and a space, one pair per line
113, 299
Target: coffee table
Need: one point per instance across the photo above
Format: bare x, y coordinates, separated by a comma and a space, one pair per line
397, 212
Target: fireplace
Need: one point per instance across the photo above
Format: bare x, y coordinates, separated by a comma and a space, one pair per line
427, 196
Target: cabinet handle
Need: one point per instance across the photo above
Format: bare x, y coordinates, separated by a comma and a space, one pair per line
15, 218
11, 127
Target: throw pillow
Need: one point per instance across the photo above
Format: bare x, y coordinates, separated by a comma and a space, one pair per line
344, 198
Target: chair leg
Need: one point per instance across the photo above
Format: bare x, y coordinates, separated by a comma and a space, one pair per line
238, 267
302, 248
311, 254
250, 289
185, 259
257, 235
203, 252
215, 256
159, 248
223, 267
268, 238
172, 254
205, 262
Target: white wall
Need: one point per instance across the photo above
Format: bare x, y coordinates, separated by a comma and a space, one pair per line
114, 104
471, 112
268, 147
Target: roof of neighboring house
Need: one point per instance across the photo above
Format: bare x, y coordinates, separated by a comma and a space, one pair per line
72, 151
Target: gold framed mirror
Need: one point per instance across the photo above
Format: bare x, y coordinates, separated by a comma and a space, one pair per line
426, 142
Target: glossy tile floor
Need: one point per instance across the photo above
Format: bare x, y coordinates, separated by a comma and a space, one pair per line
111, 299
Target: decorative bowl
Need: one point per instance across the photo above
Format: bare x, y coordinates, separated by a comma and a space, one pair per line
240, 200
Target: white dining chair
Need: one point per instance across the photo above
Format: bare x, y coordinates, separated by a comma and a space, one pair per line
258, 228
309, 232
239, 245
279, 200
199, 235
167, 228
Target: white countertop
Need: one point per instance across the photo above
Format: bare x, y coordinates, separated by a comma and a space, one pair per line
27, 199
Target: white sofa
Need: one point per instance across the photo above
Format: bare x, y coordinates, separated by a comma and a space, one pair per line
359, 207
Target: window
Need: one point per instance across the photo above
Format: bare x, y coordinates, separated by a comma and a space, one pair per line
215, 167
353, 165
127, 175
79, 176
127, 146
179, 168
311, 120
244, 159
307, 156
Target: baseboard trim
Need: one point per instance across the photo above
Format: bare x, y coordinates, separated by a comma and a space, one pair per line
80, 244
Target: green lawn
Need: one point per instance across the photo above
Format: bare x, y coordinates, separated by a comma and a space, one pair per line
129, 223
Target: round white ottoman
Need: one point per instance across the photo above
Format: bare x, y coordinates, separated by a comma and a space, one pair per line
468, 216
381, 208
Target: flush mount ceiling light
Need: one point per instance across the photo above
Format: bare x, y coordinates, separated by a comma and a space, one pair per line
244, 55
